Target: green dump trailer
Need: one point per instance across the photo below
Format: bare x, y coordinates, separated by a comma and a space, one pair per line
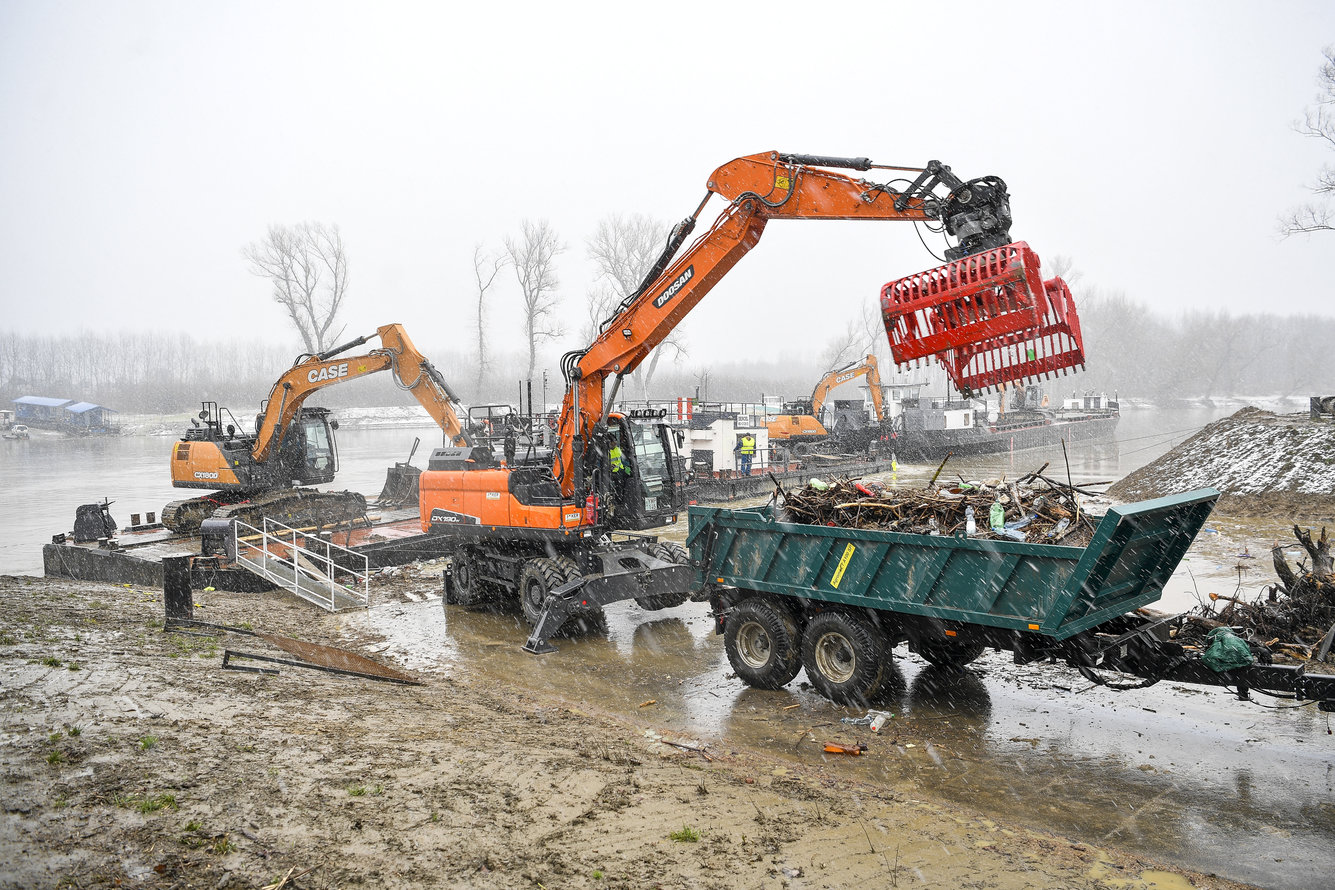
837, 601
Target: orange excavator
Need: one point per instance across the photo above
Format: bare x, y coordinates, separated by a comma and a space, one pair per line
803, 423
251, 477
563, 537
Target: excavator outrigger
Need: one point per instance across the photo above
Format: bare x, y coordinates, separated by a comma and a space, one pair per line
254, 476
548, 535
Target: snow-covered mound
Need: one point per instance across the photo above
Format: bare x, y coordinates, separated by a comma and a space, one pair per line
1262, 463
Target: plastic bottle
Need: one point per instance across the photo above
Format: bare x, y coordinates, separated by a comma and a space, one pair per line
970, 527
997, 516
932, 527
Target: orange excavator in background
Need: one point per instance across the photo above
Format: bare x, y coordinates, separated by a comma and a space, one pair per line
254, 476
803, 424
563, 537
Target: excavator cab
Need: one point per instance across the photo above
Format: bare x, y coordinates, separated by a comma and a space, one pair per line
647, 493
308, 454
318, 450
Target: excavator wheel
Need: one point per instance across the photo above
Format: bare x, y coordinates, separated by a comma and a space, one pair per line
668, 552
537, 578
569, 567
465, 589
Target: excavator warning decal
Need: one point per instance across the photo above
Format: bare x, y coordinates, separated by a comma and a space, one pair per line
781, 181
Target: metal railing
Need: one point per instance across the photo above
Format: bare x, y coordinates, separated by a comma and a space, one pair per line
314, 568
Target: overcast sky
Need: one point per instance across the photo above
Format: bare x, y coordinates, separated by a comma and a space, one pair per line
142, 145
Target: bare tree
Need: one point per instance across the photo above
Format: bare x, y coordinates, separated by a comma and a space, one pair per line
486, 266
308, 268
623, 250
600, 300
853, 343
534, 256
1318, 123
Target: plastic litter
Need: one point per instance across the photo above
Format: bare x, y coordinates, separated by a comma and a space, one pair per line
835, 748
1226, 651
873, 719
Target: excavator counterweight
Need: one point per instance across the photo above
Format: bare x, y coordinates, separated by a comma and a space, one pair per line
988, 318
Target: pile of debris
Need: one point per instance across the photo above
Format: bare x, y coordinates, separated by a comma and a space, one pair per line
1294, 618
1034, 509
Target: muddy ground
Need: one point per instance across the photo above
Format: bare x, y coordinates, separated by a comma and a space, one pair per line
132, 758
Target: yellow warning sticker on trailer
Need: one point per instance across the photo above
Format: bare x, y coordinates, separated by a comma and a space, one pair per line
843, 564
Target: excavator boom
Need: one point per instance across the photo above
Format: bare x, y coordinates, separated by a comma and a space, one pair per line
839, 376
772, 185
758, 188
397, 353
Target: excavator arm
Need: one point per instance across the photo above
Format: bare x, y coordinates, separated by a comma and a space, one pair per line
839, 376
758, 188
397, 353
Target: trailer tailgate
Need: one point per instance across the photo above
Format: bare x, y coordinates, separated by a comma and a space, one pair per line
1133, 553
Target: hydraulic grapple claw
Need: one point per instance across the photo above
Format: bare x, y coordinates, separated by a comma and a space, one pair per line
988, 318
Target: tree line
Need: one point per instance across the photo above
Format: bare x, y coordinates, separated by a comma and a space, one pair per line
1130, 348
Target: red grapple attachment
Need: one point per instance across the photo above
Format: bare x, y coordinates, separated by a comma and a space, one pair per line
988, 319
1054, 346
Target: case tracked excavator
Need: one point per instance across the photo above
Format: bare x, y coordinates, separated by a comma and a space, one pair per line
254, 476
569, 538
803, 424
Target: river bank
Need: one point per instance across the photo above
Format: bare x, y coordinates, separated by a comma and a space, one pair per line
132, 759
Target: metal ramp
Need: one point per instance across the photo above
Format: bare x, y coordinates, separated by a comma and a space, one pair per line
314, 568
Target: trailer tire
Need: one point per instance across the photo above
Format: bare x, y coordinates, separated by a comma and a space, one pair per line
844, 657
762, 644
667, 552
950, 653
537, 578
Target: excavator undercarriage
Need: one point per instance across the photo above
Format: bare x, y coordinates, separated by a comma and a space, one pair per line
294, 507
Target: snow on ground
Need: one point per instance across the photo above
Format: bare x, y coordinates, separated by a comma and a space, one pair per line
1250, 453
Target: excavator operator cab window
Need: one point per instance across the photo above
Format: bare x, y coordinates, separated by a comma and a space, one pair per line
654, 457
321, 460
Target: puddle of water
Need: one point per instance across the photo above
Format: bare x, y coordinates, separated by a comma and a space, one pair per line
1174, 772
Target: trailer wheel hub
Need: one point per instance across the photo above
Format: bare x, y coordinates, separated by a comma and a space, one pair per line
835, 657
754, 645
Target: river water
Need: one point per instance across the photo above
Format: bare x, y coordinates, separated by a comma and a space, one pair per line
44, 478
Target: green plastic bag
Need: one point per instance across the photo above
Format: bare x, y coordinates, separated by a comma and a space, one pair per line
1226, 651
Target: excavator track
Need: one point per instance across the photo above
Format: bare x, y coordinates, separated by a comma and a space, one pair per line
187, 515
295, 507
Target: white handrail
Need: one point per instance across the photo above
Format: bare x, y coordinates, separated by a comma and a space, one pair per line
303, 553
